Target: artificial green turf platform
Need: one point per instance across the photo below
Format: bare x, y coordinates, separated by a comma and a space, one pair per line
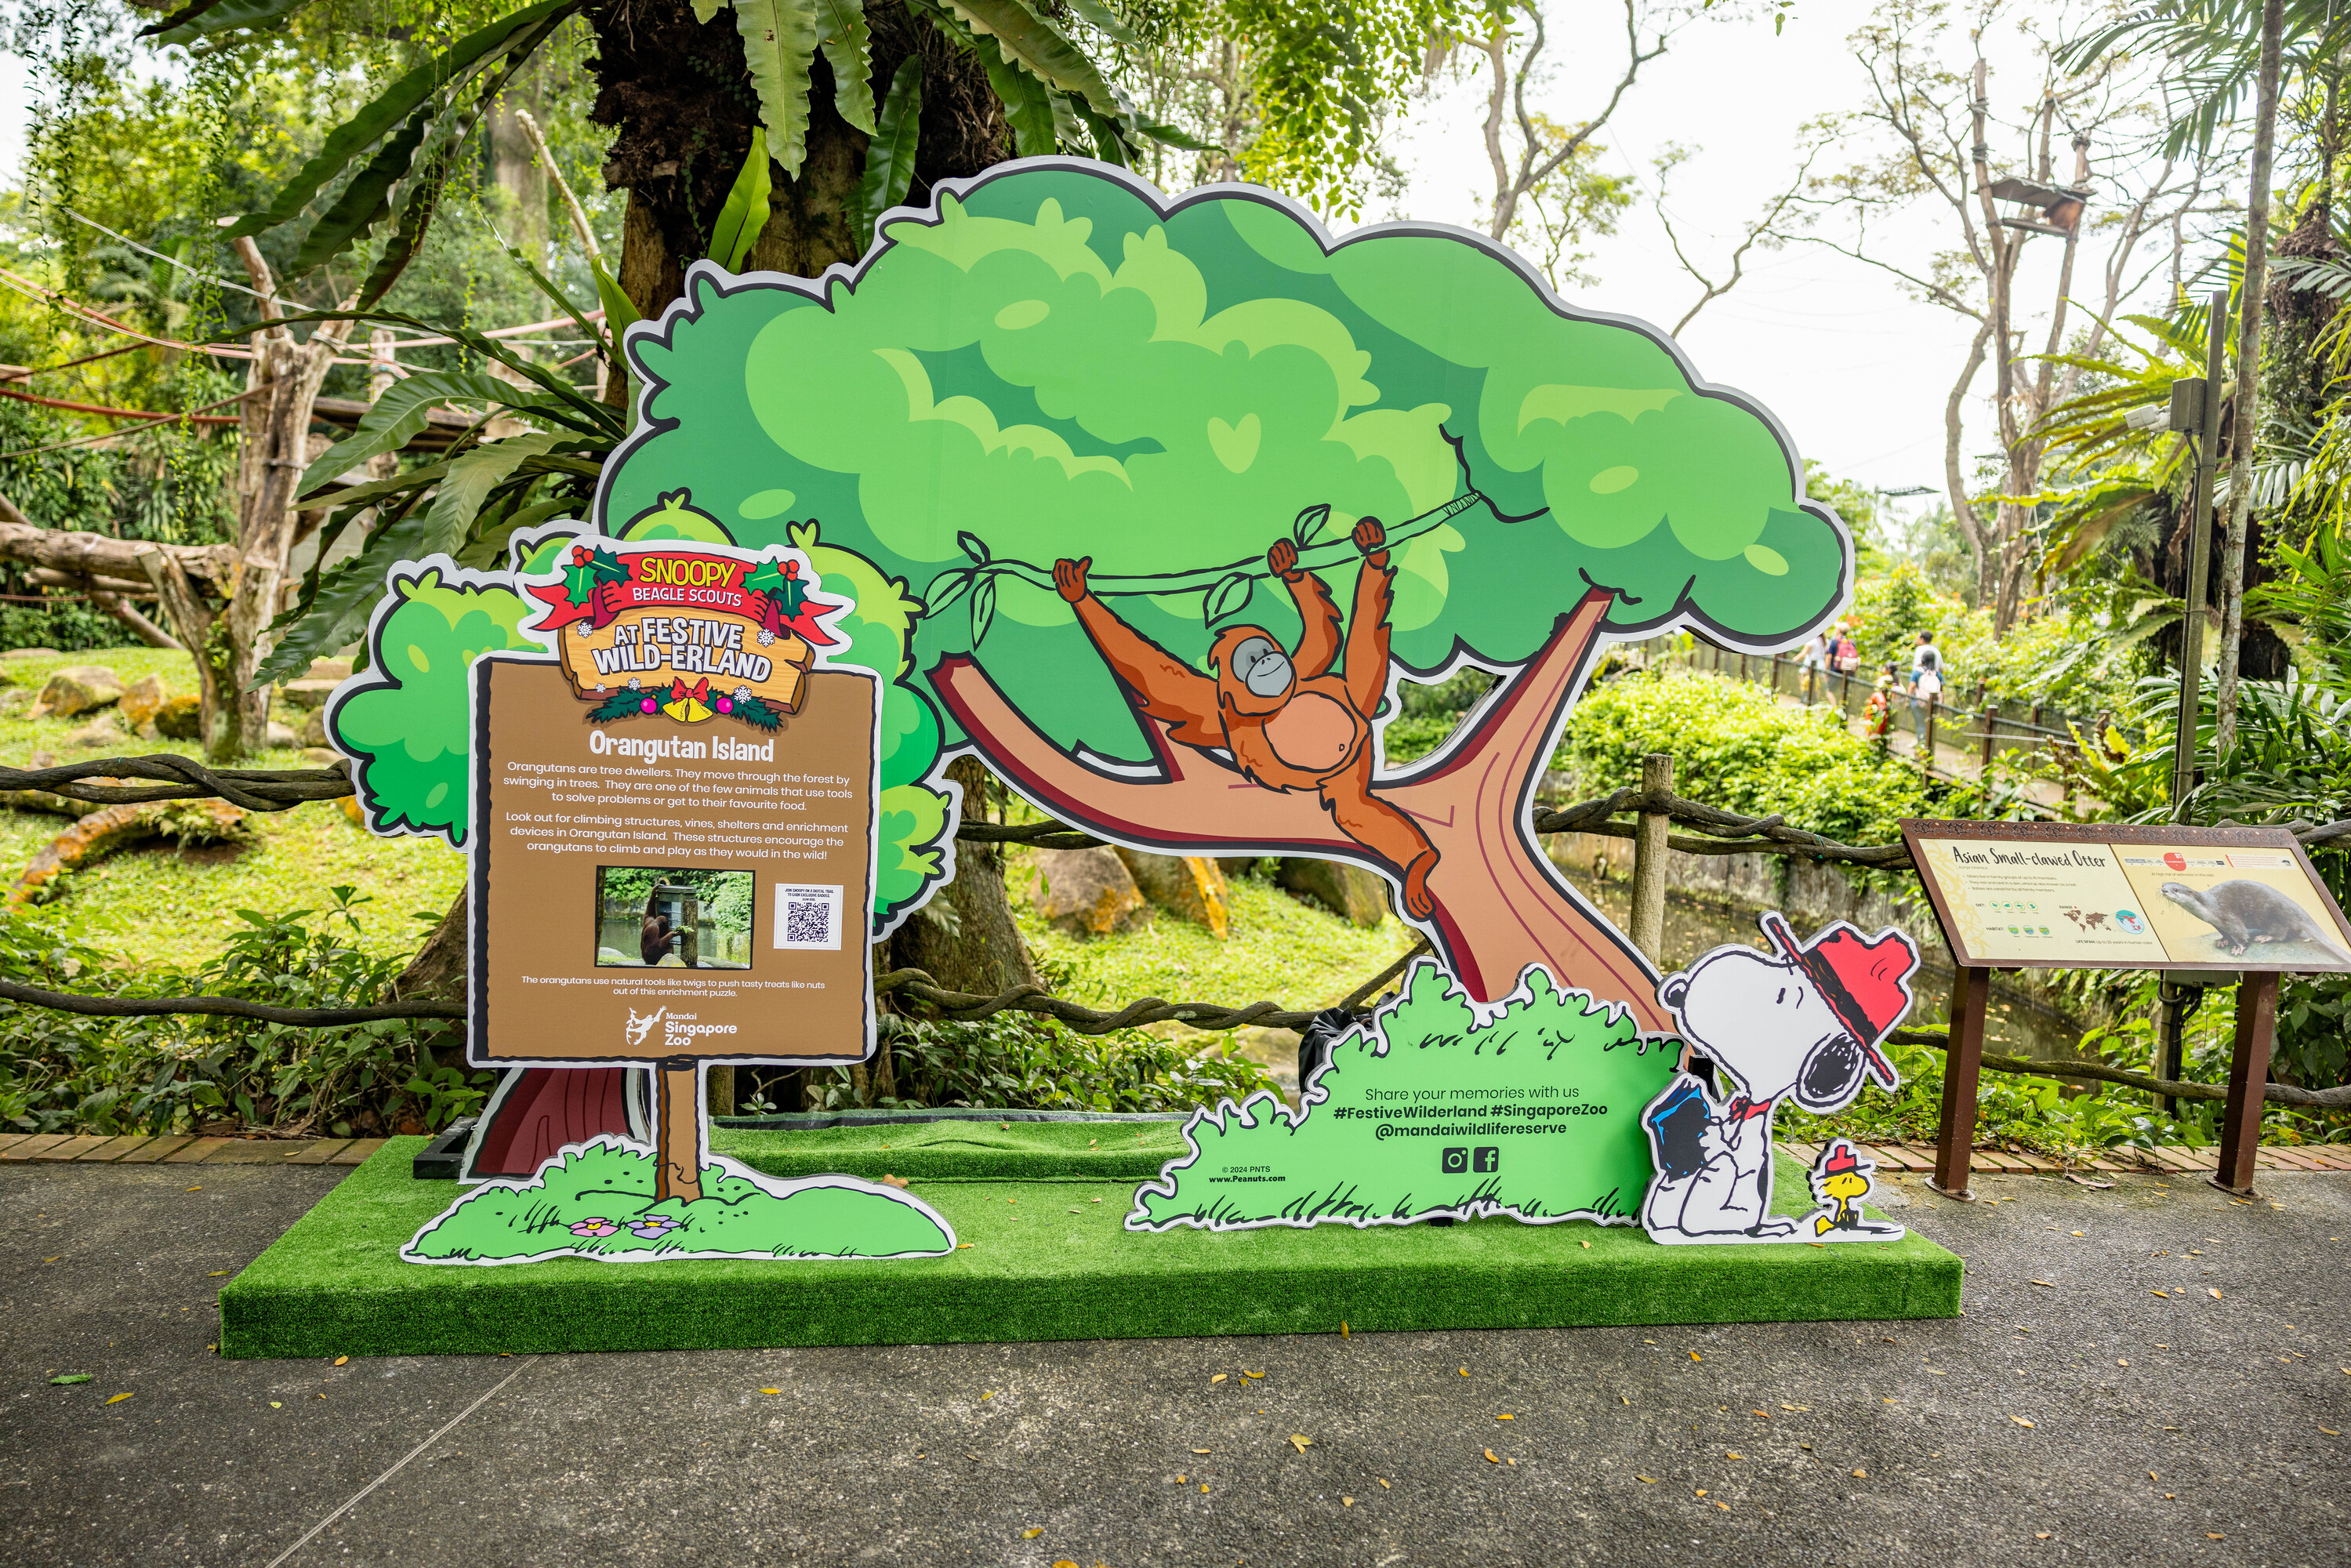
962, 1150
1045, 1262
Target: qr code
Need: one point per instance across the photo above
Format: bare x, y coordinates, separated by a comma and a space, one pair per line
808, 917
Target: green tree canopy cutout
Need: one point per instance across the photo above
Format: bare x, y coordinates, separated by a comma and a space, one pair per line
1057, 361
407, 718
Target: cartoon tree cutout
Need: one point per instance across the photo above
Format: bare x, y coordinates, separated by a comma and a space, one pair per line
1058, 364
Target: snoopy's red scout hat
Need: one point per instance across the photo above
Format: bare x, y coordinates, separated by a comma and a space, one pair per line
1864, 981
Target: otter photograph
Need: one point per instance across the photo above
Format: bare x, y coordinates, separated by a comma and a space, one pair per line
2209, 908
669, 918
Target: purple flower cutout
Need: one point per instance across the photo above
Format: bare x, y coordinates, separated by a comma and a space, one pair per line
653, 1227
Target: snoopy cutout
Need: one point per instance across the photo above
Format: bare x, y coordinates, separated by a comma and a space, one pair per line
1802, 1022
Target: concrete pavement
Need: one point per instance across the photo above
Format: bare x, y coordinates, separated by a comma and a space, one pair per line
1812, 1443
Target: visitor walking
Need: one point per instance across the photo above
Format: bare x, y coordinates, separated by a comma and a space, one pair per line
1926, 685
1877, 715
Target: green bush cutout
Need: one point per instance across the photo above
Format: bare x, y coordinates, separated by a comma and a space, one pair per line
1552, 1090
597, 1201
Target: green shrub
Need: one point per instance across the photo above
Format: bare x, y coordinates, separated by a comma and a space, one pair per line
1737, 746
2065, 661
180, 1073
1018, 1062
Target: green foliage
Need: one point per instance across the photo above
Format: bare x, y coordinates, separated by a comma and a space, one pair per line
597, 1202
411, 726
746, 212
183, 1073
1736, 747
2067, 660
164, 485
1046, 352
1556, 1083
890, 156
1014, 1062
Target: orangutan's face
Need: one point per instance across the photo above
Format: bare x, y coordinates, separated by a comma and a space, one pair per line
1262, 667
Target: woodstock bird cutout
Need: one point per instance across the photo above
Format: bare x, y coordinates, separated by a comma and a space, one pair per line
1805, 1023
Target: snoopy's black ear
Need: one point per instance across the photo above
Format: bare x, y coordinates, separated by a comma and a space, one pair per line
1675, 990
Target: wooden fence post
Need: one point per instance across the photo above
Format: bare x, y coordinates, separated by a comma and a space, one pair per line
2249, 1071
1649, 851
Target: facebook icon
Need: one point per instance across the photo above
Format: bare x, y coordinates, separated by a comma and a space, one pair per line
1485, 1157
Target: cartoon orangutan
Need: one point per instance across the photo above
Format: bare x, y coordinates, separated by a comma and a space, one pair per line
1288, 722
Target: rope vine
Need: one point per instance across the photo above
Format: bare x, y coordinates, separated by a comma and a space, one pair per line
172, 777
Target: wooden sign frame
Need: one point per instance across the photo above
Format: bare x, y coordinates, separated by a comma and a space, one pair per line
1971, 989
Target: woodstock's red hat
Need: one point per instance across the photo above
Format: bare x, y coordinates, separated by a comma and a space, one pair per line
1864, 981
1842, 1160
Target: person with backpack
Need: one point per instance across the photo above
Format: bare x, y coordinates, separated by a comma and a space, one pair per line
1926, 685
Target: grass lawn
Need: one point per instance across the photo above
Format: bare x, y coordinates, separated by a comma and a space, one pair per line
1278, 949
159, 905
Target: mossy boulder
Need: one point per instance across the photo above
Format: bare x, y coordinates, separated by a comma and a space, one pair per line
1088, 893
77, 689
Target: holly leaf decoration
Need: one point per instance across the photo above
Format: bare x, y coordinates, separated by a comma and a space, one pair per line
588, 568
620, 704
766, 577
756, 714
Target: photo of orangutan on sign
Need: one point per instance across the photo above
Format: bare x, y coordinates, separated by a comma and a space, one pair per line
1287, 722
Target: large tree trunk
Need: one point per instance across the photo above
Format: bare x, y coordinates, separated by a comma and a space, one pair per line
275, 449
663, 79
681, 141
965, 938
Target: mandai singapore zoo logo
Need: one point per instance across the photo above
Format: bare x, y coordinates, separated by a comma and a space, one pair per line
690, 632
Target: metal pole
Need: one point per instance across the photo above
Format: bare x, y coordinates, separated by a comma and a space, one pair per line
2200, 556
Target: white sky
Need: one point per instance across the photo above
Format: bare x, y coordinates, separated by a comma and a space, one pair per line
1855, 369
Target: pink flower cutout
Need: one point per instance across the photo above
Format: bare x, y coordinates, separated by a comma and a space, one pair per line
598, 1227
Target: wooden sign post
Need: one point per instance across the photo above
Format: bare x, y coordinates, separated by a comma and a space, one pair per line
685, 756
2047, 895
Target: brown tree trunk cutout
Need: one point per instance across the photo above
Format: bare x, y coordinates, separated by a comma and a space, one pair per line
1501, 906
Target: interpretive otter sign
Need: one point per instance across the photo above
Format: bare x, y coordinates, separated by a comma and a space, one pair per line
2091, 895
2023, 895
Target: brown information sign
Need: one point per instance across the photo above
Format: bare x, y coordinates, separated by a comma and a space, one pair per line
2096, 897
665, 889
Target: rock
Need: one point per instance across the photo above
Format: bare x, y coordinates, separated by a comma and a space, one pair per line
314, 729
181, 717
1188, 887
1239, 865
324, 757
308, 694
77, 688
141, 698
1087, 893
279, 738
104, 731
10, 701
30, 653
1347, 891
335, 670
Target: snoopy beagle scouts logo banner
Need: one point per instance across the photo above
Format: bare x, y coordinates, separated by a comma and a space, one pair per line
1150, 503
